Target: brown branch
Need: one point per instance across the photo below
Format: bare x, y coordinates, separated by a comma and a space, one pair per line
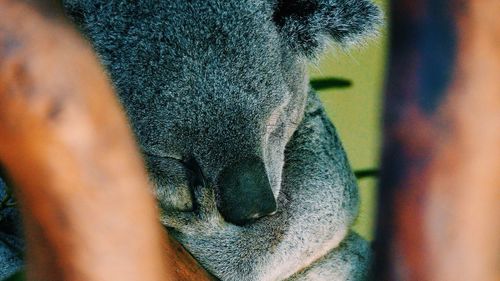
440, 195
65, 143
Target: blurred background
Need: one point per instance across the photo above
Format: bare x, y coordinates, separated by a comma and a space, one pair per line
356, 111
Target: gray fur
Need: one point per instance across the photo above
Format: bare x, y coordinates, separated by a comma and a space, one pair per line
309, 24
211, 84
11, 243
318, 203
350, 261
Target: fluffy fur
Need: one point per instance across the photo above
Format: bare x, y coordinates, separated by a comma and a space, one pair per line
11, 243
350, 261
317, 205
212, 85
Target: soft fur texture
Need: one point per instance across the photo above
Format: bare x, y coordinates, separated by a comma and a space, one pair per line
212, 85
317, 205
11, 243
350, 261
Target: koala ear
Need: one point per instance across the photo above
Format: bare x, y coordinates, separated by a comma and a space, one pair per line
307, 25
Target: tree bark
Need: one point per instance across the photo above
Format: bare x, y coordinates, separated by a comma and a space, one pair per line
64, 141
439, 192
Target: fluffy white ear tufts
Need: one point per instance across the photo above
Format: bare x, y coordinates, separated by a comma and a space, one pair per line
308, 24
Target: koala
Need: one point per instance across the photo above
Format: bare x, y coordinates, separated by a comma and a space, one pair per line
249, 173
11, 240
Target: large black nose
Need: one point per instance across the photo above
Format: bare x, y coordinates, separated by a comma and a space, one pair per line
245, 193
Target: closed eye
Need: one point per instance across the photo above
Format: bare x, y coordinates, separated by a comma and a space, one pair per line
190, 172
159, 154
190, 164
174, 181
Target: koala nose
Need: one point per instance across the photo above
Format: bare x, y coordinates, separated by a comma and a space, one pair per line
245, 193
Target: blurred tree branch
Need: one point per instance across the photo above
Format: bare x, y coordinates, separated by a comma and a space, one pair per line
439, 189
65, 143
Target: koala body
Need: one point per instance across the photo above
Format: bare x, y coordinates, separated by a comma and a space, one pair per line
311, 220
11, 242
249, 173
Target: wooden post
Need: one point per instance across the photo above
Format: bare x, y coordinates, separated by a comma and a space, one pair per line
440, 186
88, 212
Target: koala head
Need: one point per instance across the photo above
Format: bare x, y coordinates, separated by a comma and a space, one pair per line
214, 89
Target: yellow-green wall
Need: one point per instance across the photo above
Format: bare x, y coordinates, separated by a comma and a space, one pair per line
356, 111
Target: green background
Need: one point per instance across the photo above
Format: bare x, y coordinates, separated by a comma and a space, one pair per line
356, 111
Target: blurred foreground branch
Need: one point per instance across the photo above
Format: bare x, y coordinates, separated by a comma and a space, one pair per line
439, 192
81, 185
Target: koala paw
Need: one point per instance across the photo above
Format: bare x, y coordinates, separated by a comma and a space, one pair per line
204, 217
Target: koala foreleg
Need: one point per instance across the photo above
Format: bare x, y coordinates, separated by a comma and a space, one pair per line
350, 261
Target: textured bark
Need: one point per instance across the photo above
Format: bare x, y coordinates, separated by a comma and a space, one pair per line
440, 187
65, 142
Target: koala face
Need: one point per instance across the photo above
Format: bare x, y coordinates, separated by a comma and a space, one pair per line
214, 89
